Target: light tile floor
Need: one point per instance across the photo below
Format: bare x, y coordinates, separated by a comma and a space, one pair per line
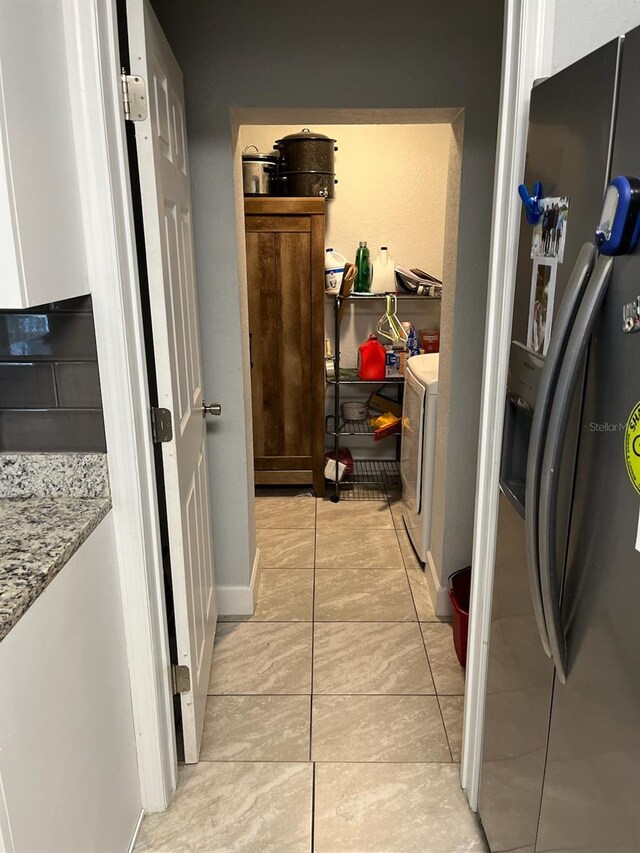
334, 718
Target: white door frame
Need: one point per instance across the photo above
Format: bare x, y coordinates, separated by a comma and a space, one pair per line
101, 152
527, 46
103, 166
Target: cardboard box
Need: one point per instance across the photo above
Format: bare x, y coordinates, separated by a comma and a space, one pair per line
382, 404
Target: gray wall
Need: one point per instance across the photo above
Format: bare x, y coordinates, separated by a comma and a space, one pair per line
581, 26
407, 54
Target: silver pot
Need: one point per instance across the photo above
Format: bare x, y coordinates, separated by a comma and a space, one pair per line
258, 172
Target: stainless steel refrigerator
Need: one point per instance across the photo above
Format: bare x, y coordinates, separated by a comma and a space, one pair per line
561, 754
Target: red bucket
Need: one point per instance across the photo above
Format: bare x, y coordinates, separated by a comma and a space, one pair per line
459, 594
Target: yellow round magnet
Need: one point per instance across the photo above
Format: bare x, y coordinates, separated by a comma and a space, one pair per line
632, 446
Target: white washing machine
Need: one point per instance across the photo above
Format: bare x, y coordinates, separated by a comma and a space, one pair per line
418, 447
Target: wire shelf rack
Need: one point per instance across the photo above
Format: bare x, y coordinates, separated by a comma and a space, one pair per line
349, 376
345, 427
365, 297
372, 480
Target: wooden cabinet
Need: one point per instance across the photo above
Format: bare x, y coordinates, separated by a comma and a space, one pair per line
42, 234
285, 279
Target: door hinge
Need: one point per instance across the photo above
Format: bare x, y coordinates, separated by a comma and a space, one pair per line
161, 426
180, 679
134, 97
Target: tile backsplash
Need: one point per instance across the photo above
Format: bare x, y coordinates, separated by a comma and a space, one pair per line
49, 384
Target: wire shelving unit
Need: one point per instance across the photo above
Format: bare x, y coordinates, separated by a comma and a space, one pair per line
371, 479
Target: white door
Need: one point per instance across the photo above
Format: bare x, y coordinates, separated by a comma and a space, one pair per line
166, 204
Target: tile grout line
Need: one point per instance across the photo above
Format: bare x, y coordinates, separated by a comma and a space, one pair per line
291, 695
446, 733
236, 621
313, 623
313, 806
424, 643
406, 572
413, 599
313, 636
426, 651
286, 695
303, 762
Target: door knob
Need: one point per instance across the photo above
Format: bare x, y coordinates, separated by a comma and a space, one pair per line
211, 409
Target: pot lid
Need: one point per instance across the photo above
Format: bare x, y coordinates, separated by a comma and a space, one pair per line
304, 135
250, 156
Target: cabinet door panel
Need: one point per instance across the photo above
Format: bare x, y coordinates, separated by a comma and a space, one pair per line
294, 271
278, 274
261, 283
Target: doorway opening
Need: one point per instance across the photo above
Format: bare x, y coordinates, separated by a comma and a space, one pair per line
398, 174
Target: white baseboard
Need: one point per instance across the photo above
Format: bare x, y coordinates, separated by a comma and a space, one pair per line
234, 600
136, 832
239, 600
439, 594
443, 603
255, 576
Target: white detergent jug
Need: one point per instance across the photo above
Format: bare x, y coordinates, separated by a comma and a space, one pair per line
384, 273
333, 268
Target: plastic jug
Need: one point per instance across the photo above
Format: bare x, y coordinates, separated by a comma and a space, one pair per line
384, 273
372, 359
333, 268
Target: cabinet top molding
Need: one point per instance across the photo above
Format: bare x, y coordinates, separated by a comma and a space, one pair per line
277, 205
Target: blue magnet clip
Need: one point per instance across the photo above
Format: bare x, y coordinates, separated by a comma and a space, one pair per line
531, 202
619, 227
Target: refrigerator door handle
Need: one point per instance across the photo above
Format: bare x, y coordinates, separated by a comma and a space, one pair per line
550, 571
553, 361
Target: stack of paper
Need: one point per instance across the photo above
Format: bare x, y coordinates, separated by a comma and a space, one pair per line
419, 282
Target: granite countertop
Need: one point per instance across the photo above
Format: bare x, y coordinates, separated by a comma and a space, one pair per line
54, 475
49, 505
38, 537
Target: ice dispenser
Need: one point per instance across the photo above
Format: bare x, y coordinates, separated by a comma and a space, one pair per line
525, 368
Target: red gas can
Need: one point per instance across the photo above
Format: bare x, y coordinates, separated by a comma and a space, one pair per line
371, 359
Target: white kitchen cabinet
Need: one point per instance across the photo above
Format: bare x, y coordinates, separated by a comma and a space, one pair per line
68, 769
42, 250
